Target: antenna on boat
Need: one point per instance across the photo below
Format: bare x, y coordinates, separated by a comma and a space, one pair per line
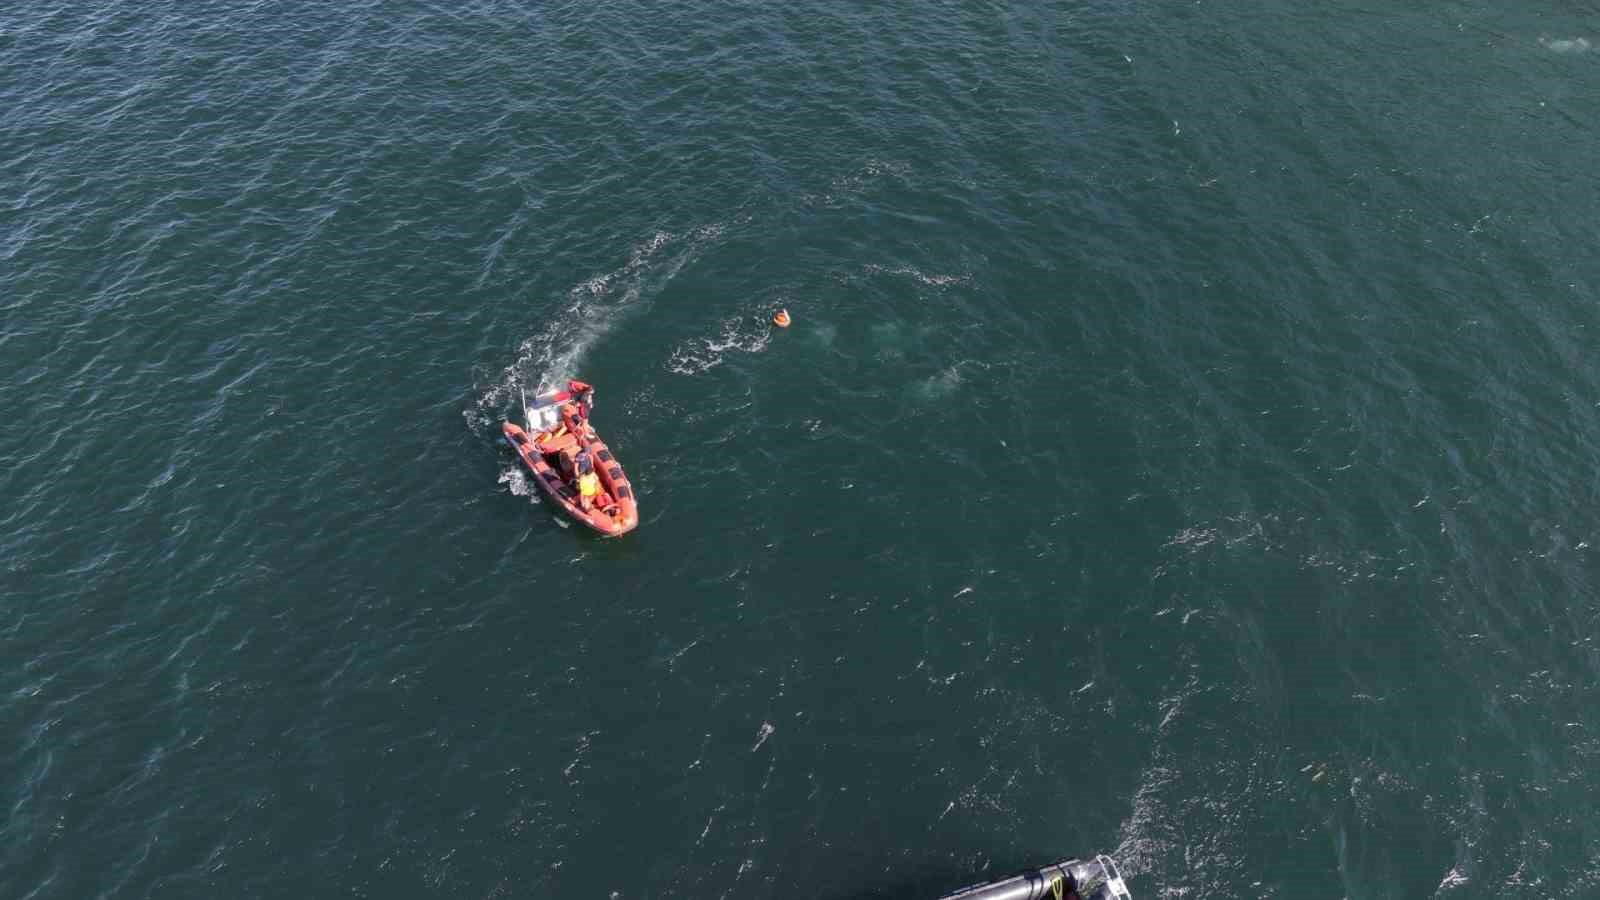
527, 417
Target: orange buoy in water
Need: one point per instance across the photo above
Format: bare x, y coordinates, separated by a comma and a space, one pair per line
781, 318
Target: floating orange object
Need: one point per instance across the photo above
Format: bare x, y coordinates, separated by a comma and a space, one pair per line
781, 318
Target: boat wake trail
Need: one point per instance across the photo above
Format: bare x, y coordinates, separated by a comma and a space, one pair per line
743, 334
546, 359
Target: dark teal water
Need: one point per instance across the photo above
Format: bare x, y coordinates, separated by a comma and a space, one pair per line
1185, 448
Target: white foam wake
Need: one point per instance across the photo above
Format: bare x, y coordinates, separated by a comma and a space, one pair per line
1567, 45
739, 334
935, 280
553, 354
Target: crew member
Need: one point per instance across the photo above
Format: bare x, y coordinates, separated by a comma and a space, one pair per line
583, 395
588, 481
571, 419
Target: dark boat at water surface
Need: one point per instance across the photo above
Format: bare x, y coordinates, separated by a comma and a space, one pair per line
1069, 879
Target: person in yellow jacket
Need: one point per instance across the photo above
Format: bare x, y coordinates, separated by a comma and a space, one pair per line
588, 481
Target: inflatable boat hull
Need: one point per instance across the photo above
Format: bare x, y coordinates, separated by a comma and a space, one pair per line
613, 512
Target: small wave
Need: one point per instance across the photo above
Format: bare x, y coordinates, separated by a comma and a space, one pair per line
1193, 538
1242, 529
762, 734
856, 182
1567, 45
870, 171
930, 280
939, 385
741, 334
1453, 879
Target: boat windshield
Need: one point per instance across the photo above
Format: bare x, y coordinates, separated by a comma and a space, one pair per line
540, 417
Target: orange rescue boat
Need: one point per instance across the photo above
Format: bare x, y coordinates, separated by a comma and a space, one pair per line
600, 498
